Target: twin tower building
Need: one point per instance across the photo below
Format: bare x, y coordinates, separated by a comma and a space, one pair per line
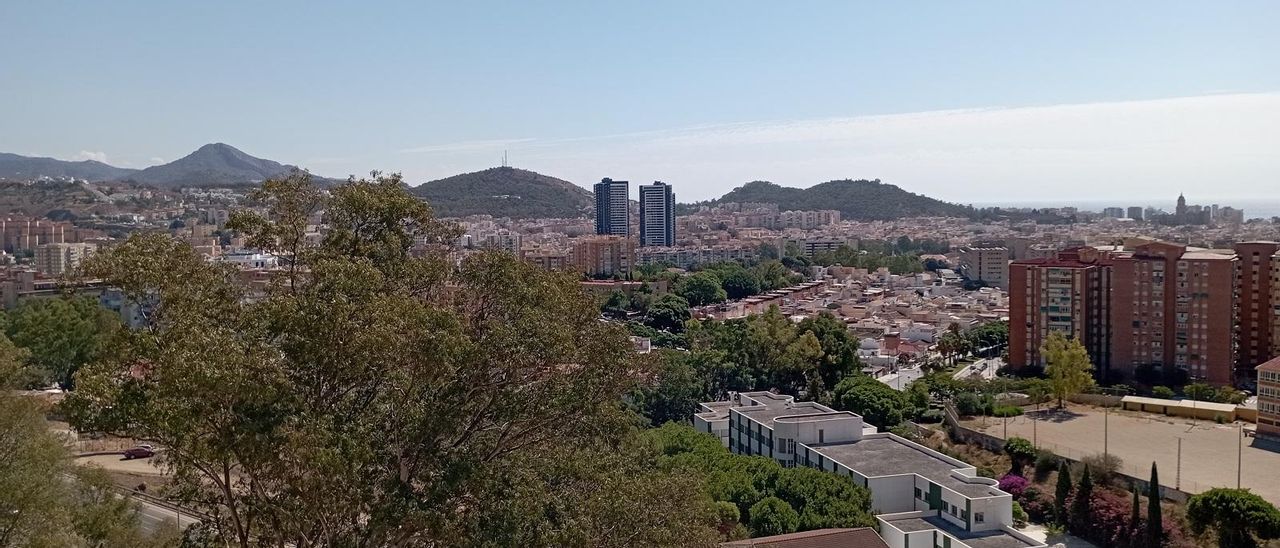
657, 212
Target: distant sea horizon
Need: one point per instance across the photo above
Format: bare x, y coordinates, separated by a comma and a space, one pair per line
1254, 208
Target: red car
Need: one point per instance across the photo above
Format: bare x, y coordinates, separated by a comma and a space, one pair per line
140, 452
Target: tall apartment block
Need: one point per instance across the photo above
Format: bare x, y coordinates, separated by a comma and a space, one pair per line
920, 496
1068, 294
612, 208
986, 263
605, 255
1259, 306
1209, 312
657, 215
1269, 400
60, 258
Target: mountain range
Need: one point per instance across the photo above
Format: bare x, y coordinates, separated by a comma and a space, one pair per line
210, 165
500, 191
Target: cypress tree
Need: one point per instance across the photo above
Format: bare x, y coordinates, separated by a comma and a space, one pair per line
1154, 522
1061, 494
1133, 519
1080, 504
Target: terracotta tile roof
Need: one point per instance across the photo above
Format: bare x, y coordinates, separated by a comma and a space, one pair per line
864, 537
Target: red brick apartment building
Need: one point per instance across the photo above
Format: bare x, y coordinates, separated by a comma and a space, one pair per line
1067, 293
1211, 313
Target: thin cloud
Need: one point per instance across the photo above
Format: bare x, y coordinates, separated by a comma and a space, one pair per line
92, 155
1212, 144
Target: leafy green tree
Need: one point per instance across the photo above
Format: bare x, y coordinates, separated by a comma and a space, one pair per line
45, 500
675, 393
728, 519
839, 348
1155, 522
701, 289
819, 499
615, 305
875, 401
1020, 452
1200, 392
61, 333
1061, 494
1067, 365
740, 283
1163, 392
773, 516
378, 393
668, 312
774, 275
1238, 517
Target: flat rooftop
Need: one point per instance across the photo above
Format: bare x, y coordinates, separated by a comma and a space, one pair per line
886, 456
765, 414
984, 539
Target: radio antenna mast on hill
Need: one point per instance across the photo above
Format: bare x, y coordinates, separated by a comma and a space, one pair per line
504, 158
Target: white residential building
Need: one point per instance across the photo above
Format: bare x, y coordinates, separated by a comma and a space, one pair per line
920, 496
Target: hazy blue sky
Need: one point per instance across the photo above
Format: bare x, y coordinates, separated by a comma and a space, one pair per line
971, 101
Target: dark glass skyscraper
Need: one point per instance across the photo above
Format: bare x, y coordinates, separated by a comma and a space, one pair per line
611, 208
657, 215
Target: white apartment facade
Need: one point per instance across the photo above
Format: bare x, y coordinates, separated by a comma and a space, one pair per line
920, 496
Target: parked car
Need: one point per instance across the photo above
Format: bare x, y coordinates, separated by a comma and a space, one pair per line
140, 452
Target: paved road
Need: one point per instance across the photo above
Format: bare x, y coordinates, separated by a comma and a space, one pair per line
984, 368
154, 517
903, 378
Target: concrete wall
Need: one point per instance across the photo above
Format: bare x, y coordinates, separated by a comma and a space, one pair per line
892, 494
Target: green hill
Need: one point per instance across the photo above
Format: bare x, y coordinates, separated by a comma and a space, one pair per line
505, 192
856, 200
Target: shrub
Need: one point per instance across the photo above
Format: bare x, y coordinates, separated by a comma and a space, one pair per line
1019, 515
930, 416
1014, 485
1103, 467
1007, 411
1039, 508
1163, 392
1045, 462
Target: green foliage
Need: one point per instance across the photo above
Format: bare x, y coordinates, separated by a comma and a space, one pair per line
974, 403
505, 192
1238, 517
676, 392
1061, 494
1020, 451
46, 499
817, 499
1006, 411
847, 256
773, 516
378, 393
878, 404
668, 312
1067, 365
1046, 462
1080, 510
1163, 392
701, 289
1200, 392
1019, 515
62, 334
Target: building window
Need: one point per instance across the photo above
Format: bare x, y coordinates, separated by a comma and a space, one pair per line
978, 517
919, 493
